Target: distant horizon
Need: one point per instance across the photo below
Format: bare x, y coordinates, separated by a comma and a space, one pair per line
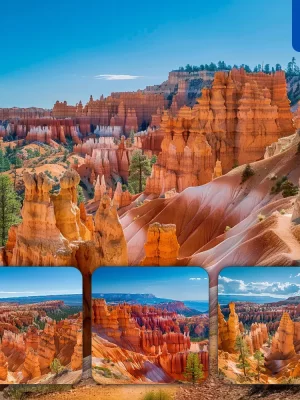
136, 294
18, 282
40, 295
138, 50
174, 283
162, 79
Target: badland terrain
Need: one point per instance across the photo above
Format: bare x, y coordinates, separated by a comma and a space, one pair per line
40, 343
258, 343
166, 176
147, 344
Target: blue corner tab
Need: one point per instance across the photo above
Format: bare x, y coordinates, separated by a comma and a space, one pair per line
296, 25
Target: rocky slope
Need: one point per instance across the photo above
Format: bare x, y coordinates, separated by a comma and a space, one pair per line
28, 348
141, 344
221, 223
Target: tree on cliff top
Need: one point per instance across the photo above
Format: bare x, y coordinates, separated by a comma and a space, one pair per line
9, 207
139, 170
193, 370
242, 347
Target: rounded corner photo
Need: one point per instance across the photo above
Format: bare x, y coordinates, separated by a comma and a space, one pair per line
41, 331
259, 325
150, 325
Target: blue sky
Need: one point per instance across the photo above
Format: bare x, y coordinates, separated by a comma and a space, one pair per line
31, 281
281, 282
184, 283
53, 51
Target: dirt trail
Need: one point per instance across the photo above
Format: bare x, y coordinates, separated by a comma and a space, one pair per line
111, 392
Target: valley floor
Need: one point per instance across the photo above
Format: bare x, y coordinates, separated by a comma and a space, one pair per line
211, 390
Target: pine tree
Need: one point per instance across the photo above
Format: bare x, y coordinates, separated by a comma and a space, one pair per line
139, 170
267, 68
80, 195
193, 370
242, 347
153, 159
4, 162
19, 163
260, 359
131, 135
9, 207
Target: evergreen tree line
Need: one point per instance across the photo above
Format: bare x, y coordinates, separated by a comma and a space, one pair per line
243, 351
292, 68
9, 159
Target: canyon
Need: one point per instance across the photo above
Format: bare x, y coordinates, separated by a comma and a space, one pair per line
231, 124
236, 116
142, 344
277, 343
214, 221
30, 340
66, 234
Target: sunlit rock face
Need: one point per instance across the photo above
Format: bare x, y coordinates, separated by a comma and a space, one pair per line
232, 123
140, 333
55, 231
162, 247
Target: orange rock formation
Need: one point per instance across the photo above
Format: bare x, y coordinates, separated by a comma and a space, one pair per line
228, 331
224, 202
146, 330
53, 233
3, 366
27, 355
233, 122
283, 342
162, 246
126, 109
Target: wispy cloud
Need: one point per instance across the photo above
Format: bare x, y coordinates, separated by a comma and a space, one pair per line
17, 292
112, 77
195, 279
275, 289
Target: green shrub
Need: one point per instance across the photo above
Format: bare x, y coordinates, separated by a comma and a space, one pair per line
277, 188
56, 366
104, 371
261, 217
289, 189
285, 186
247, 173
160, 395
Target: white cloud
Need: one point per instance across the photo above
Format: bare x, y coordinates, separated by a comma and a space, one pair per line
195, 279
275, 289
17, 292
112, 77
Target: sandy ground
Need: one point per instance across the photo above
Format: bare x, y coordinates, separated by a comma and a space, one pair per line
208, 391
111, 392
